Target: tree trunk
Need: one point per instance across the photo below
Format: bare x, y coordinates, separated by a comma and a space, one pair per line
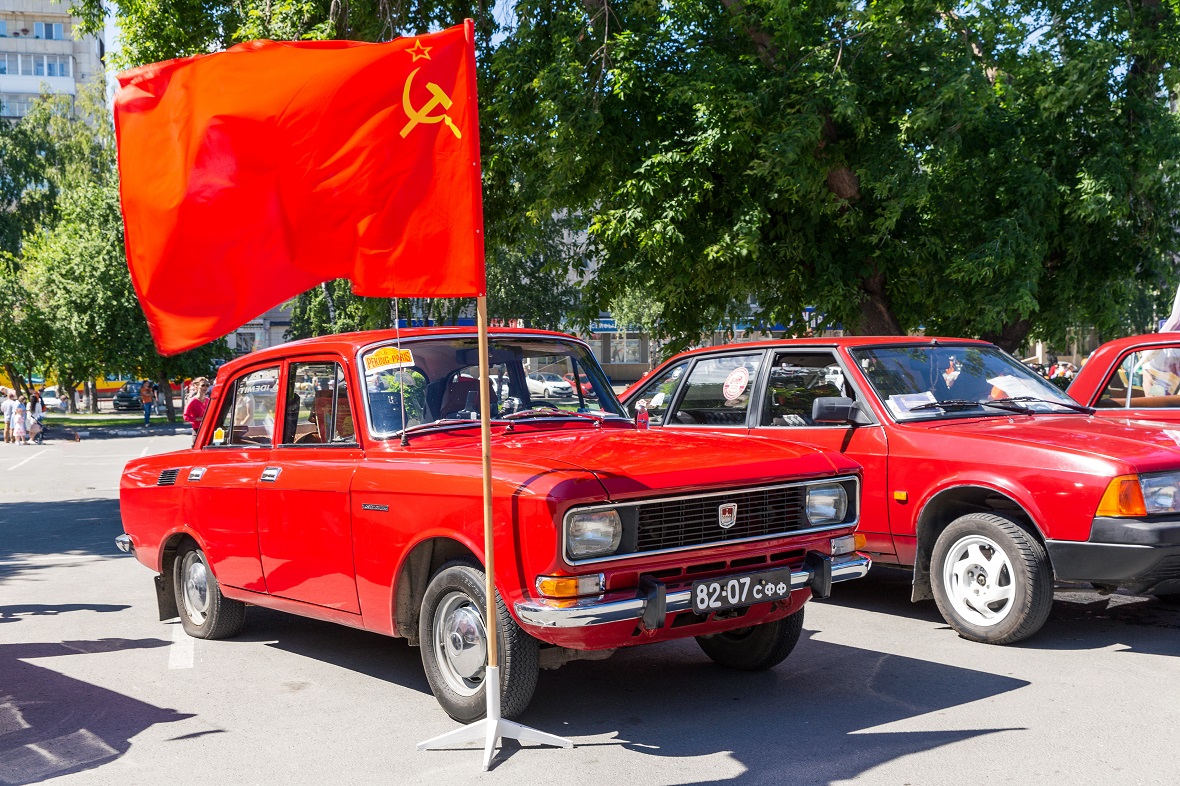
1011, 336
166, 392
92, 394
18, 382
876, 313
69, 388
330, 302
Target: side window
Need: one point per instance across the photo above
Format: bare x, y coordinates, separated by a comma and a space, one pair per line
717, 391
1143, 379
796, 380
248, 413
658, 393
317, 411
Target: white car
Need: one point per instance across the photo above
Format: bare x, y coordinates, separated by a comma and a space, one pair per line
52, 401
545, 385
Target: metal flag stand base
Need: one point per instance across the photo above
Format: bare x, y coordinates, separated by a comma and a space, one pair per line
493, 727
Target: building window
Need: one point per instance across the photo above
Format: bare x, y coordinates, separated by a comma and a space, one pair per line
15, 105
8, 64
48, 30
26, 65
57, 65
625, 348
3, 31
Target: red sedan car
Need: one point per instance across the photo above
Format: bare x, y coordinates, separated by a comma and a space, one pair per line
340, 478
1135, 377
980, 475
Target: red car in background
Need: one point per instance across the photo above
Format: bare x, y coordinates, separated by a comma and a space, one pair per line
1135, 377
981, 476
582, 382
340, 478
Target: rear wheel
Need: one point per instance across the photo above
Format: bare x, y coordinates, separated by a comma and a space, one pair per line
992, 580
204, 612
756, 648
454, 643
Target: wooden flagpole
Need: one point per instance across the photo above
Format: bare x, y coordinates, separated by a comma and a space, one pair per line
493, 726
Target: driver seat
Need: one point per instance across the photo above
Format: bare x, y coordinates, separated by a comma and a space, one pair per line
462, 395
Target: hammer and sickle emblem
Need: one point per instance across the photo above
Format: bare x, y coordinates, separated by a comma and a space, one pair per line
423, 115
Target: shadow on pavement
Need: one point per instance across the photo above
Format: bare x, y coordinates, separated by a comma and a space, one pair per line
808, 721
16, 612
51, 724
1082, 619
31, 532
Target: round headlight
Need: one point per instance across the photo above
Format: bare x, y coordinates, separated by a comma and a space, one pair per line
593, 533
826, 504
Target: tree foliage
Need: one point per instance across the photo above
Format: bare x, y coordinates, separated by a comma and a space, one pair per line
985, 168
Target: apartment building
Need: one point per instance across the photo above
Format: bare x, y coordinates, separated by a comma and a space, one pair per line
41, 52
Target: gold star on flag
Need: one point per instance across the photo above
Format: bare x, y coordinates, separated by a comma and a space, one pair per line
419, 51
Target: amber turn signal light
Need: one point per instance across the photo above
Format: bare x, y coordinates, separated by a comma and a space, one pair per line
1123, 497
570, 586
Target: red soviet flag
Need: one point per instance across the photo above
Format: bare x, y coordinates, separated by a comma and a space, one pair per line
251, 175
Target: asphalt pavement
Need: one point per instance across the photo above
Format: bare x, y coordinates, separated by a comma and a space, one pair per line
93, 689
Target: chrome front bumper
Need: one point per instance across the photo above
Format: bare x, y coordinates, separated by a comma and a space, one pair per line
125, 544
548, 614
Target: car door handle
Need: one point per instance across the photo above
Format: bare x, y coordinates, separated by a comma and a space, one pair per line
195, 474
271, 474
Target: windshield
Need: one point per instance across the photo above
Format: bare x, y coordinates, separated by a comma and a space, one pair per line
438, 380
956, 381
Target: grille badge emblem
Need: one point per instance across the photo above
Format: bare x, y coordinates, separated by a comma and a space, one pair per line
727, 515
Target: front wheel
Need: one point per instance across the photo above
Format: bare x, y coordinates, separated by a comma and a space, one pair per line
992, 579
756, 648
205, 613
454, 643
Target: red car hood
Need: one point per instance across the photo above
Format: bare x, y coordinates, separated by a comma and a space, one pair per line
1146, 446
636, 463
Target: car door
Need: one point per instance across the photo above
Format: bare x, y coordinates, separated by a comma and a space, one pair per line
304, 521
716, 392
795, 379
221, 499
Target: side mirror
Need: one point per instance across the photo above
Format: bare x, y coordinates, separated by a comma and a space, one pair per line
837, 410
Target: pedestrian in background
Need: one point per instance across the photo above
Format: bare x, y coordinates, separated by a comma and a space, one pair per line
36, 418
147, 397
7, 406
194, 411
20, 414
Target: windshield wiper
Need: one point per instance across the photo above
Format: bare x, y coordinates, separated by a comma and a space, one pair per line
1008, 405
436, 425
1068, 405
545, 412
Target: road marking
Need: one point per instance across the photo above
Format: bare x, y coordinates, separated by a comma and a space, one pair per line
30, 458
180, 654
144, 452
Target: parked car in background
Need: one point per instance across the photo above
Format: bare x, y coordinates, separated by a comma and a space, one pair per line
53, 401
127, 397
1135, 377
582, 381
979, 475
606, 537
549, 385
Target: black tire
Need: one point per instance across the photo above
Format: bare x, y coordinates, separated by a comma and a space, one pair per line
207, 616
1028, 585
458, 588
756, 648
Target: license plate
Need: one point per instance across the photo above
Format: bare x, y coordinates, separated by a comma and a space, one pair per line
731, 592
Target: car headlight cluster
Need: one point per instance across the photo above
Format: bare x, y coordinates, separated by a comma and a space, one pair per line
1141, 495
1161, 493
826, 504
592, 533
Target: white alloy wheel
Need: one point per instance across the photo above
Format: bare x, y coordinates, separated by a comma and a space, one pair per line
195, 593
978, 580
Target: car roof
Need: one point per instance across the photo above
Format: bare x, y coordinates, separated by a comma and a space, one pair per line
848, 342
349, 344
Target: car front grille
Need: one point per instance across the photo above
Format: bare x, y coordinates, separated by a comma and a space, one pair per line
695, 521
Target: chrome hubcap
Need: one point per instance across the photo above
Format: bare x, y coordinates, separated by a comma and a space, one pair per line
460, 643
195, 575
979, 581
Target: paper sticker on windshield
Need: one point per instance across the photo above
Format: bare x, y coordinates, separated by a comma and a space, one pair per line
735, 383
657, 400
387, 358
219, 436
1013, 386
902, 403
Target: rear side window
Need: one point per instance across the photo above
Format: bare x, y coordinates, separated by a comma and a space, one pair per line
658, 393
247, 415
717, 391
317, 406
